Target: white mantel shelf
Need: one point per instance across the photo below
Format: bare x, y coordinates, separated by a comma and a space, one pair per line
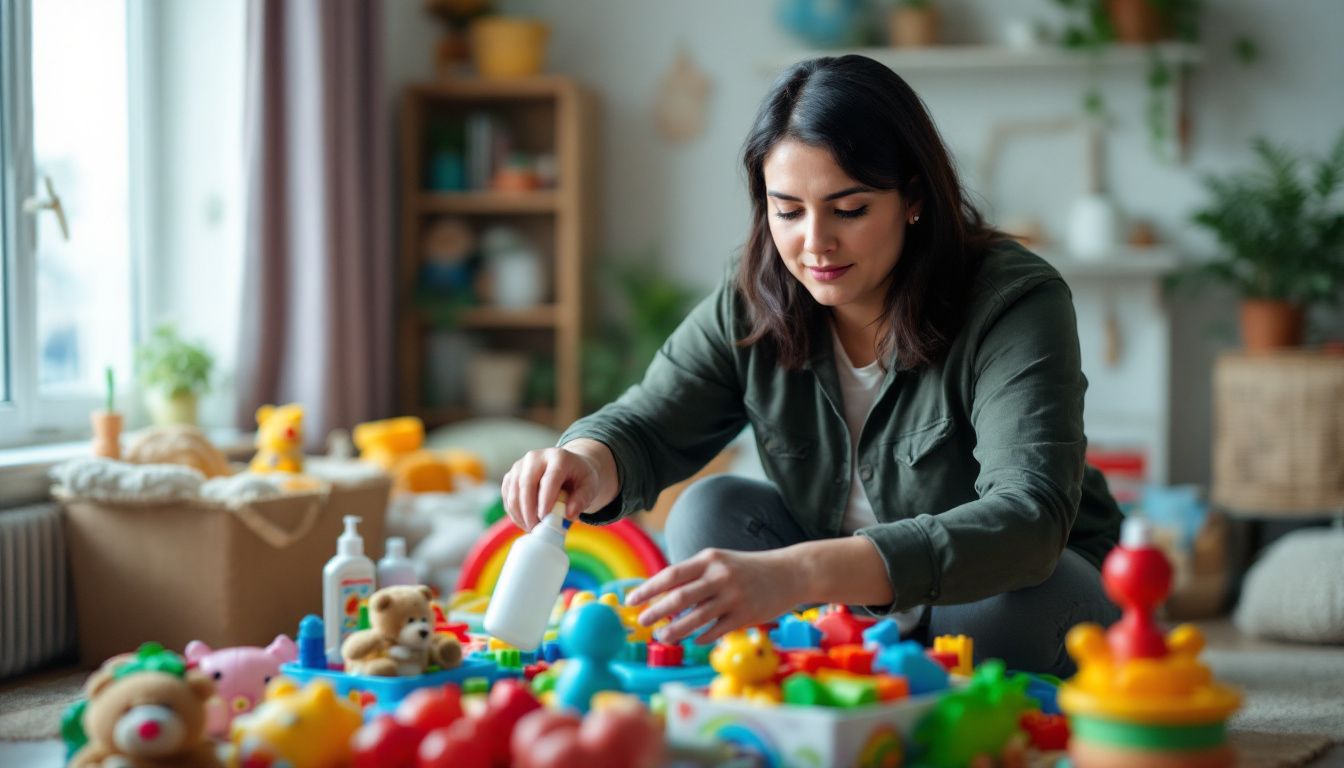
1142, 263
952, 58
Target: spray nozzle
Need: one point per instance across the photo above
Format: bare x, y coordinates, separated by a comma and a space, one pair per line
350, 542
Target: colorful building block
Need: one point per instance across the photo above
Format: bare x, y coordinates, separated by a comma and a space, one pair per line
794, 633
961, 647
908, 660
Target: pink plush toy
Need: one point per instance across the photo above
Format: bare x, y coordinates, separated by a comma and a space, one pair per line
240, 676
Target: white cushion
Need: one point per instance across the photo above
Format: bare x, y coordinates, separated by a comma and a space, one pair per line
1296, 590
499, 442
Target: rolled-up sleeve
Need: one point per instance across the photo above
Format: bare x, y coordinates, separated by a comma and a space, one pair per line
685, 410
1026, 407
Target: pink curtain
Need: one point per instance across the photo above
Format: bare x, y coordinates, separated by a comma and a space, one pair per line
318, 275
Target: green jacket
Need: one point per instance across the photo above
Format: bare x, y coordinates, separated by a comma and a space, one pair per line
974, 467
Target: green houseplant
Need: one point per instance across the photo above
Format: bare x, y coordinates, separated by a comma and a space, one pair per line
1281, 227
649, 307
1093, 26
174, 373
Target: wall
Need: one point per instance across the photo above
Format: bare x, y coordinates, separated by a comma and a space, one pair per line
690, 201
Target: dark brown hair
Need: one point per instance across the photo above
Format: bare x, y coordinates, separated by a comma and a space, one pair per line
880, 134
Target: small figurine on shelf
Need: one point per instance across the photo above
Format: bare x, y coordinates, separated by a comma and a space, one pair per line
107, 423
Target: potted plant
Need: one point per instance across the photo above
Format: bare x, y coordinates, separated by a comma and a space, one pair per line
1281, 226
913, 24
1092, 26
107, 422
174, 373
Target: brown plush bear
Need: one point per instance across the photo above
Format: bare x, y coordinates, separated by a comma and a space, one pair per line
146, 711
400, 639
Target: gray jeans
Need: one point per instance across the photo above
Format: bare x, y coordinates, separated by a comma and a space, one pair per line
1025, 627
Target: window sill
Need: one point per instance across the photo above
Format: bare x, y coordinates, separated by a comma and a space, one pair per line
24, 469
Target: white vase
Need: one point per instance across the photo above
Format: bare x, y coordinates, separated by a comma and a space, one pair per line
517, 277
176, 409
1094, 227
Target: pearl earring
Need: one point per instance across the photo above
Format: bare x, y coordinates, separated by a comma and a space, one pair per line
915, 220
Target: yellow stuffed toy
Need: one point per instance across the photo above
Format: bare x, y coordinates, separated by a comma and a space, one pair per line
396, 446
279, 439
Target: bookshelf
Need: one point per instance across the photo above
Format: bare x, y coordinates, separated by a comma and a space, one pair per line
442, 334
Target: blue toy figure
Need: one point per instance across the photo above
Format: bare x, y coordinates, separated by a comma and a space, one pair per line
908, 660
312, 643
592, 637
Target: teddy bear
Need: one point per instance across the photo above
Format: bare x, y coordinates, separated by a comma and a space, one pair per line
400, 639
144, 710
279, 439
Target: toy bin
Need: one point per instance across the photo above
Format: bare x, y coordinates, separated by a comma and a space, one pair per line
228, 573
790, 736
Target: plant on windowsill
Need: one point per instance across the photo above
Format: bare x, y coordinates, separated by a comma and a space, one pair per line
1281, 226
174, 373
107, 423
1093, 26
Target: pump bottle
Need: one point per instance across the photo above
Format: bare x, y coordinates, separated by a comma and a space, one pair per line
395, 569
347, 581
529, 583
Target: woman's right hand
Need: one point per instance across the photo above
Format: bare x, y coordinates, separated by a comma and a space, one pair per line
531, 487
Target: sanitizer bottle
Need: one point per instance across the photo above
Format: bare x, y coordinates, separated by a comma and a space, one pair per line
529, 583
395, 569
347, 581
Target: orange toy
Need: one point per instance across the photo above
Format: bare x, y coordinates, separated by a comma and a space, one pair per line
396, 445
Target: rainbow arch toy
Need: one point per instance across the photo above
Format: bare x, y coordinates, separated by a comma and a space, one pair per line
597, 555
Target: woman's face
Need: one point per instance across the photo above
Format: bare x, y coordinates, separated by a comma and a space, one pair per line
837, 237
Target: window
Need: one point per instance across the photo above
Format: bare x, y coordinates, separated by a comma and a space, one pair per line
133, 110
68, 268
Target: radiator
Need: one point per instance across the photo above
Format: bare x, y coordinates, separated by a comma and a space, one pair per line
36, 613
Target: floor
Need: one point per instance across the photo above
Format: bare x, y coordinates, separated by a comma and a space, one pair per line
1294, 702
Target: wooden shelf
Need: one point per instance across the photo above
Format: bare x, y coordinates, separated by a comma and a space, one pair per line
551, 115
545, 316
951, 58
479, 89
541, 201
437, 417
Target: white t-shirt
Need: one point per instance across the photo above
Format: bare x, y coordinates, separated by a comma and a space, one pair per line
859, 388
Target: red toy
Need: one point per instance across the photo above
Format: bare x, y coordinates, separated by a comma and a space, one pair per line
1137, 577
607, 738
840, 627
1047, 732
429, 730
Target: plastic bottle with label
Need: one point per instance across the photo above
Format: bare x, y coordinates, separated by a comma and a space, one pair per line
529, 583
396, 569
347, 581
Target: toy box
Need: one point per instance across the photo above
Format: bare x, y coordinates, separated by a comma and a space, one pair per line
788, 736
228, 573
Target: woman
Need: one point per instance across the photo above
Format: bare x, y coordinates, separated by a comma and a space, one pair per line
913, 381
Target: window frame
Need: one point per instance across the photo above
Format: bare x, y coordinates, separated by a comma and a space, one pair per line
26, 418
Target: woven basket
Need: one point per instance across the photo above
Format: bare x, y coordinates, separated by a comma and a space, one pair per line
1278, 434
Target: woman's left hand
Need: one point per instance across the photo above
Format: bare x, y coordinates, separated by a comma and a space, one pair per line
727, 589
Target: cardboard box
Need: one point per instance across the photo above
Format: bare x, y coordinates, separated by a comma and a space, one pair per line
228, 574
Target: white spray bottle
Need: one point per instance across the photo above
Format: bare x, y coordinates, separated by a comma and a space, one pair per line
530, 582
395, 569
347, 581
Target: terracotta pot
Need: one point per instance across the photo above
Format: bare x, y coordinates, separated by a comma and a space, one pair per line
106, 434
913, 27
1136, 21
1268, 325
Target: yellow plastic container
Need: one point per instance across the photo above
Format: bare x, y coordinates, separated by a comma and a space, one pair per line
505, 47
